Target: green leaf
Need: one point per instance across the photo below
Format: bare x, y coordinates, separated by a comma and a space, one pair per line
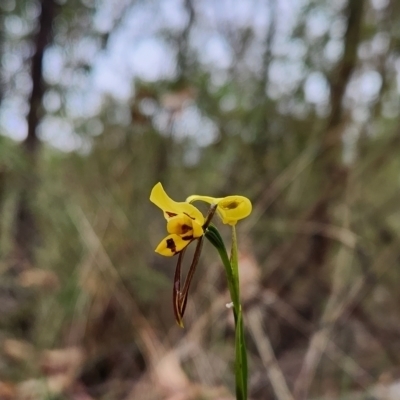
213, 235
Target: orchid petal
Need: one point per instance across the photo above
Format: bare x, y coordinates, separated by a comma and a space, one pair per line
230, 208
206, 199
233, 208
170, 207
197, 229
171, 245
180, 224
185, 227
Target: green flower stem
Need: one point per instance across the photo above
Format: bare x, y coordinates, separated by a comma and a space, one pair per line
233, 261
213, 235
232, 274
240, 344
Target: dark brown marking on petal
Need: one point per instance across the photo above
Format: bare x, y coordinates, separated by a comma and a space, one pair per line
190, 216
188, 237
185, 228
170, 214
231, 205
171, 245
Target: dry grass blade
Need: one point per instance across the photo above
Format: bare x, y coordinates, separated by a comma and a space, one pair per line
345, 362
287, 176
337, 308
268, 359
153, 348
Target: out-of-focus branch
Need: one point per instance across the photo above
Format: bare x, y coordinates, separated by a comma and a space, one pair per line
25, 232
183, 42
2, 34
348, 62
336, 182
386, 24
41, 41
268, 41
262, 129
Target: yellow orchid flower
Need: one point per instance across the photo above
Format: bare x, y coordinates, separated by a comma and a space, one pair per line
184, 222
231, 208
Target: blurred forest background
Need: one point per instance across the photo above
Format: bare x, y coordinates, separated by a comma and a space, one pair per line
292, 103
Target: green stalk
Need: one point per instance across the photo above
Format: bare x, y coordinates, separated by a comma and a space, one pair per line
240, 344
232, 274
213, 235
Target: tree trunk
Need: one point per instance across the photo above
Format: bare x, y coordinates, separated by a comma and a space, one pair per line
334, 173
334, 182
25, 226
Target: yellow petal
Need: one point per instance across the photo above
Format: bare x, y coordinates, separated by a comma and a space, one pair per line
171, 245
197, 229
206, 199
185, 227
172, 208
230, 208
233, 208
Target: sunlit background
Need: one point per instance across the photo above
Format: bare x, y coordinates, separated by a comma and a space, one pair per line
291, 103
